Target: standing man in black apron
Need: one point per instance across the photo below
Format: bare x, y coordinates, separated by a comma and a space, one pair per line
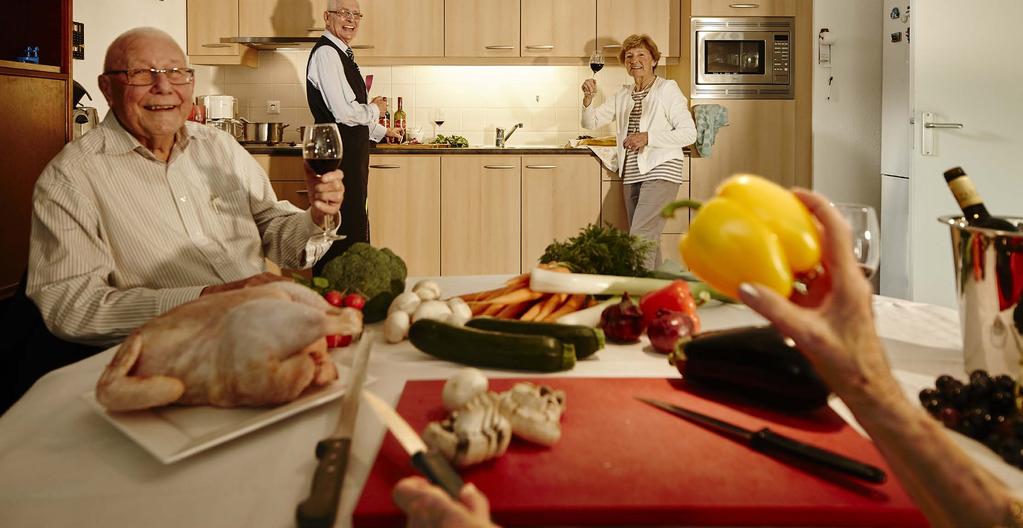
336, 93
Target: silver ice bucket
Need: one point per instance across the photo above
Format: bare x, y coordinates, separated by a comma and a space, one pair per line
989, 282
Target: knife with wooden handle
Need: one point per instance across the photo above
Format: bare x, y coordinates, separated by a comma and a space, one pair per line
320, 509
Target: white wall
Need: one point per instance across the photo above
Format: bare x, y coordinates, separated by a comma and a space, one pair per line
106, 19
847, 127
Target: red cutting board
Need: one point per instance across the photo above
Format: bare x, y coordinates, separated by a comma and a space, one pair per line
620, 461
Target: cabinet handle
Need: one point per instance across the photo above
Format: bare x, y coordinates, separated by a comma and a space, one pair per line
316, 29
500, 167
216, 45
611, 46
363, 46
541, 47
385, 166
546, 167
301, 192
500, 47
744, 6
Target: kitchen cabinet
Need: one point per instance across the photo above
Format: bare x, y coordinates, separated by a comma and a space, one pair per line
401, 28
207, 22
760, 138
287, 177
405, 210
560, 196
617, 19
732, 8
480, 228
280, 18
481, 28
558, 29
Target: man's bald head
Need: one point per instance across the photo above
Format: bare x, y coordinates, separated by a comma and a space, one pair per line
117, 54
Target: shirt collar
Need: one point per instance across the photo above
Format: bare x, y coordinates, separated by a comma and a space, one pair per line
336, 40
120, 141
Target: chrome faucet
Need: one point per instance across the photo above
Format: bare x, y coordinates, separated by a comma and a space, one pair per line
502, 137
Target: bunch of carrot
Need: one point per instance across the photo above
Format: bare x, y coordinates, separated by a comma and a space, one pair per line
515, 300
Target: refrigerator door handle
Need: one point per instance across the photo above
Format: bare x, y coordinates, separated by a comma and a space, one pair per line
927, 132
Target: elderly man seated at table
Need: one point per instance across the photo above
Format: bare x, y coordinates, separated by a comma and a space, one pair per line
150, 211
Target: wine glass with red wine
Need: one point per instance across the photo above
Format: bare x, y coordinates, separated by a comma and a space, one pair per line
596, 62
321, 149
866, 241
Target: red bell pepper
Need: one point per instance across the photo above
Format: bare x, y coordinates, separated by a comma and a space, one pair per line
676, 297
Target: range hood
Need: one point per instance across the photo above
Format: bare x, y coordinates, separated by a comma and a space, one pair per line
273, 43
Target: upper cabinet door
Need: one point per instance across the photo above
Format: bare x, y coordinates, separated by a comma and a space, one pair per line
617, 19
401, 28
562, 28
281, 18
481, 28
208, 21
738, 8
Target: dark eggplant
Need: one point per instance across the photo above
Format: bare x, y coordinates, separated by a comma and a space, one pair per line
756, 363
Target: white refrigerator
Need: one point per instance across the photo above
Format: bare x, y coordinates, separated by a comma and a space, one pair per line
896, 149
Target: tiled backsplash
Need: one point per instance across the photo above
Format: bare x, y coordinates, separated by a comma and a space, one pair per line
475, 99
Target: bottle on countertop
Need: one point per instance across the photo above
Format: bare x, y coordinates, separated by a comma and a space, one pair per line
969, 201
401, 121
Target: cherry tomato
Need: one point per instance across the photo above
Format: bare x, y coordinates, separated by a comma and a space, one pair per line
354, 300
335, 341
334, 297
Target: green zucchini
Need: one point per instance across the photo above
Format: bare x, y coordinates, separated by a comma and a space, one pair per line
500, 350
585, 339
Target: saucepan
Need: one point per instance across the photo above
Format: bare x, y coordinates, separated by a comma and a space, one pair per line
989, 283
269, 133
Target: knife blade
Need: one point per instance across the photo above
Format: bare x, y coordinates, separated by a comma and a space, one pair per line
319, 509
433, 465
776, 445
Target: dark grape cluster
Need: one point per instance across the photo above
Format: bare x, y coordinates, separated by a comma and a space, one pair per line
983, 409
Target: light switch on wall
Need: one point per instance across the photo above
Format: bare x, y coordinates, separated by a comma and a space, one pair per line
273, 107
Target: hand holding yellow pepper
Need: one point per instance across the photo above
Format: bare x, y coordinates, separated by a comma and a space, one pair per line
753, 230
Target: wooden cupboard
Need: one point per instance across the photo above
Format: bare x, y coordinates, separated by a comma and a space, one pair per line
405, 210
481, 28
480, 227
617, 19
732, 8
560, 195
565, 28
207, 22
401, 28
760, 138
280, 18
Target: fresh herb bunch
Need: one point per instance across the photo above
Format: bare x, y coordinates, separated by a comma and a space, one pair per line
452, 141
603, 250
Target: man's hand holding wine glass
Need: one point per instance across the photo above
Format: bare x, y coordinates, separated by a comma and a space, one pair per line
325, 194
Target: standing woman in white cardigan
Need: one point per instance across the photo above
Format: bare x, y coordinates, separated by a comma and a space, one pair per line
653, 124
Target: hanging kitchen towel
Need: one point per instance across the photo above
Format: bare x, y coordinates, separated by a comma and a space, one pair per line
709, 118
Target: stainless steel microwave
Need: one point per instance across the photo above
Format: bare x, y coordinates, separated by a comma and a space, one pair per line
743, 57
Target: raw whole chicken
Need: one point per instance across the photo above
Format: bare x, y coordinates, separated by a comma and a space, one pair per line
251, 347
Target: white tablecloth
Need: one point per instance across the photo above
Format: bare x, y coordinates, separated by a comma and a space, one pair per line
61, 464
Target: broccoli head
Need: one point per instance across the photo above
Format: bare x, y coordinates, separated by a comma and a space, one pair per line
377, 274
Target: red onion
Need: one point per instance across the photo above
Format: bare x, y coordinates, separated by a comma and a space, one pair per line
622, 322
668, 328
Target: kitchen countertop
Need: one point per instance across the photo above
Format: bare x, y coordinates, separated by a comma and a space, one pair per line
61, 464
288, 150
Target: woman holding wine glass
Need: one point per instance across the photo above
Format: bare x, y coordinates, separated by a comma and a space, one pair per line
653, 123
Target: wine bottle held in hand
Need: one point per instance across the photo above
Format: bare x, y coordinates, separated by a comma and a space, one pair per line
322, 149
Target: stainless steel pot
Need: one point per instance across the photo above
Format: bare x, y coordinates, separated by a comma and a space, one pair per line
265, 132
989, 281
231, 126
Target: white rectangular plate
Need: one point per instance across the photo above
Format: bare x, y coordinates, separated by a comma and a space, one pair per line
172, 433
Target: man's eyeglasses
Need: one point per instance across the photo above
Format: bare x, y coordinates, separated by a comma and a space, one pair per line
350, 15
147, 76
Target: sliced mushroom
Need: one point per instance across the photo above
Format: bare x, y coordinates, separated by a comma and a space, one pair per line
534, 412
471, 435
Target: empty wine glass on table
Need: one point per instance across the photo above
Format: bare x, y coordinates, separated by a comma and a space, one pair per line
321, 149
596, 62
865, 235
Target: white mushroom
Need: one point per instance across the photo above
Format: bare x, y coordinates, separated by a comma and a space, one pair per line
396, 326
471, 435
457, 319
534, 412
460, 307
427, 290
463, 387
436, 310
406, 302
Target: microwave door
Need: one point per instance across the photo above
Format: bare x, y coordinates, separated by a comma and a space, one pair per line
733, 57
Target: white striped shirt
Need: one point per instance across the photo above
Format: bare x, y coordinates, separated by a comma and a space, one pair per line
670, 170
119, 236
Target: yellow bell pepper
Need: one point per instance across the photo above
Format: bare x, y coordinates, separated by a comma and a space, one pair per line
753, 230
